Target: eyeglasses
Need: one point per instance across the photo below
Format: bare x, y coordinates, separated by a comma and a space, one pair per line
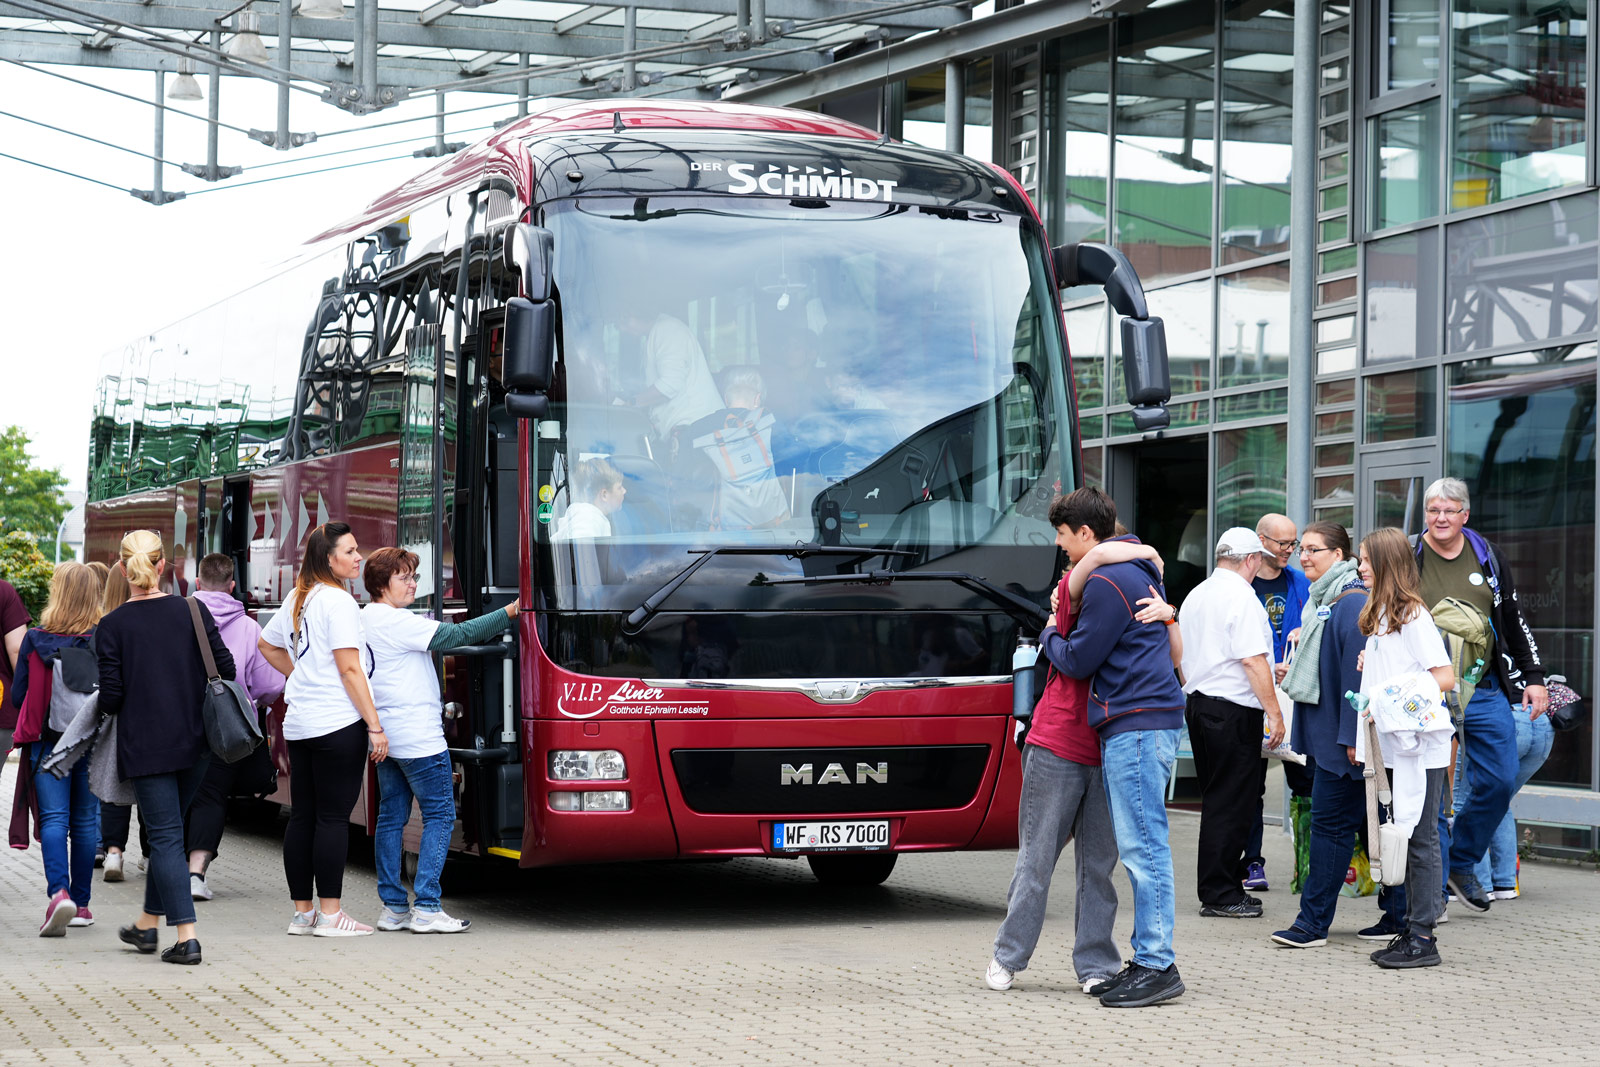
409, 579
1307, 550
1290, 545
1443, 513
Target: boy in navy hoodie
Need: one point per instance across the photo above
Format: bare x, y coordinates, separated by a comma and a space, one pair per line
1136, 706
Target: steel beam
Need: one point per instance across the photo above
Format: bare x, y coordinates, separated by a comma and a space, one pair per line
995, 33
1302, 267
582, 18
400, 72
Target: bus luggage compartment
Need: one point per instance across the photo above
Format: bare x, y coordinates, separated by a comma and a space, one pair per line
728, 782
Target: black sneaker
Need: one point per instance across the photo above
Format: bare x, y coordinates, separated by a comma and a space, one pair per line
1386, 929
183, 952
143, 940
1396, 943
1464, 884
1145, 986
1244, 909
1100, 989
1411, 951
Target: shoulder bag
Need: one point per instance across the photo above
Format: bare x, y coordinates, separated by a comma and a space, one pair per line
232, 729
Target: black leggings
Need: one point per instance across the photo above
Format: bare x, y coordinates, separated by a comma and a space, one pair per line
115, 819
325, 775
208, 812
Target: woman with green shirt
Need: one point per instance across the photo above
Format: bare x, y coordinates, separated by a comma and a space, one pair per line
405, 687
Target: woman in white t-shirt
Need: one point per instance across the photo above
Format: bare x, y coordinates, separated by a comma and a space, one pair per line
1389, 570
315, 640
405, 685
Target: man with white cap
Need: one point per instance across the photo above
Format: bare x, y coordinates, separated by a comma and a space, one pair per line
1227, 674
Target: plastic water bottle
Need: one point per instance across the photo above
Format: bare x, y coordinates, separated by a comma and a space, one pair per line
1022, 664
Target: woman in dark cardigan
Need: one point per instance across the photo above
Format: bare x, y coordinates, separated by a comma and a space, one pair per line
1324, 669
153, 677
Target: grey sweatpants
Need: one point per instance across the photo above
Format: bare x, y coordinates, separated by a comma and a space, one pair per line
1062, 799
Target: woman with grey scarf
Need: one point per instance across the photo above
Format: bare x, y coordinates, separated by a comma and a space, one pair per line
1323, 668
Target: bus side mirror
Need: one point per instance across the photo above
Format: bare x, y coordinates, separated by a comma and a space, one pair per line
1145, 372
530, 250
1093, 263
529, 364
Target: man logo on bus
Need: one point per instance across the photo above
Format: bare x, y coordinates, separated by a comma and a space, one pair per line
816, 183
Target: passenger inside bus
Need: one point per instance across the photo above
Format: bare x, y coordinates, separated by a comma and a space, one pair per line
600, 490
738, 443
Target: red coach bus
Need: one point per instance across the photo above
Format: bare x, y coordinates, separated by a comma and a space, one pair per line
757, 417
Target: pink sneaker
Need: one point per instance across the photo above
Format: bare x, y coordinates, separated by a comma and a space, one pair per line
60, 911
83, 918
340, 925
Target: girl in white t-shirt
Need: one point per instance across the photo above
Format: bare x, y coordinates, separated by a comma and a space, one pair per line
1389, 570
330, 721
405, 685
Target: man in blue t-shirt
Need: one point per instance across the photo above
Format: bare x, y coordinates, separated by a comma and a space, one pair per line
1283, 591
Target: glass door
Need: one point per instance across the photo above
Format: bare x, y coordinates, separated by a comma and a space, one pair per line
1391, 493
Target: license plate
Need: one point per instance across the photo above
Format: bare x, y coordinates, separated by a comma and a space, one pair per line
857, 835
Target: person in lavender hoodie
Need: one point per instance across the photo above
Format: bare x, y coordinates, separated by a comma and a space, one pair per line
202, 830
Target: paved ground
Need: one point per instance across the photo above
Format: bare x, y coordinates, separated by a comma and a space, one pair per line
751, 962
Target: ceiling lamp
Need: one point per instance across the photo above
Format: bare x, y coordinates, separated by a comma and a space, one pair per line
246, 43
321, 9
184, 87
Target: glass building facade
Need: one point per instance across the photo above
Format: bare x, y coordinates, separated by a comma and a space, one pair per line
1456, 272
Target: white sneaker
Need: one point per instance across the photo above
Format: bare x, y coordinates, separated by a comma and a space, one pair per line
1504, 894
1444, 914
198, 888
997, 976
113, 867
303, 923
340, 925
437, 922
394, 920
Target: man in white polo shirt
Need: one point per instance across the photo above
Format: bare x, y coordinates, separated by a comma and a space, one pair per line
1227, 674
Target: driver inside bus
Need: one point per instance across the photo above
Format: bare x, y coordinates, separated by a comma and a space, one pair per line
678, 386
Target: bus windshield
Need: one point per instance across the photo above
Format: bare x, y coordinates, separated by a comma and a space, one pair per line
768, 372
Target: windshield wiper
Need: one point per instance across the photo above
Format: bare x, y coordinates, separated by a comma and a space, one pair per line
652, 603
1024, 611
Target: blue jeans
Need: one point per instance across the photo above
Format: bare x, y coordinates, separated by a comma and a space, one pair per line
1498, 868
163, 800
1136, 766
1338, 811
1489, 753
429, 779
67, 811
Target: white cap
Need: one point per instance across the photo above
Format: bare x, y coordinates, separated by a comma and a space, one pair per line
1239, 541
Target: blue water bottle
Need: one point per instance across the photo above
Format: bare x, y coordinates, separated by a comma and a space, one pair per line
1022, 664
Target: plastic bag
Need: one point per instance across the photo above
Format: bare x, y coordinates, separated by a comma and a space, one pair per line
1358, 877
1282, 750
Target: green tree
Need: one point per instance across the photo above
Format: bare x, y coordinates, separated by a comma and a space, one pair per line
30, 496
24, 566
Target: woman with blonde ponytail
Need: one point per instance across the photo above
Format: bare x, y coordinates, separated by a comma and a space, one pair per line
116, 820
329, 722
153, 676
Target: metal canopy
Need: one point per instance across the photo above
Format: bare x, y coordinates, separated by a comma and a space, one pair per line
370, 55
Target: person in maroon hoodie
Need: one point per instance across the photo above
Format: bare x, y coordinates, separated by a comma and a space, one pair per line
207, 813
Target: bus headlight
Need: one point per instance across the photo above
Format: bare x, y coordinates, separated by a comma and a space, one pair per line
587, 765
600, 800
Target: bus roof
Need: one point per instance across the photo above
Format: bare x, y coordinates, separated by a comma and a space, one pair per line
501, 152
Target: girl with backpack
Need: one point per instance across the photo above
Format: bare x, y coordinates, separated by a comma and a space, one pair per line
50, 686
